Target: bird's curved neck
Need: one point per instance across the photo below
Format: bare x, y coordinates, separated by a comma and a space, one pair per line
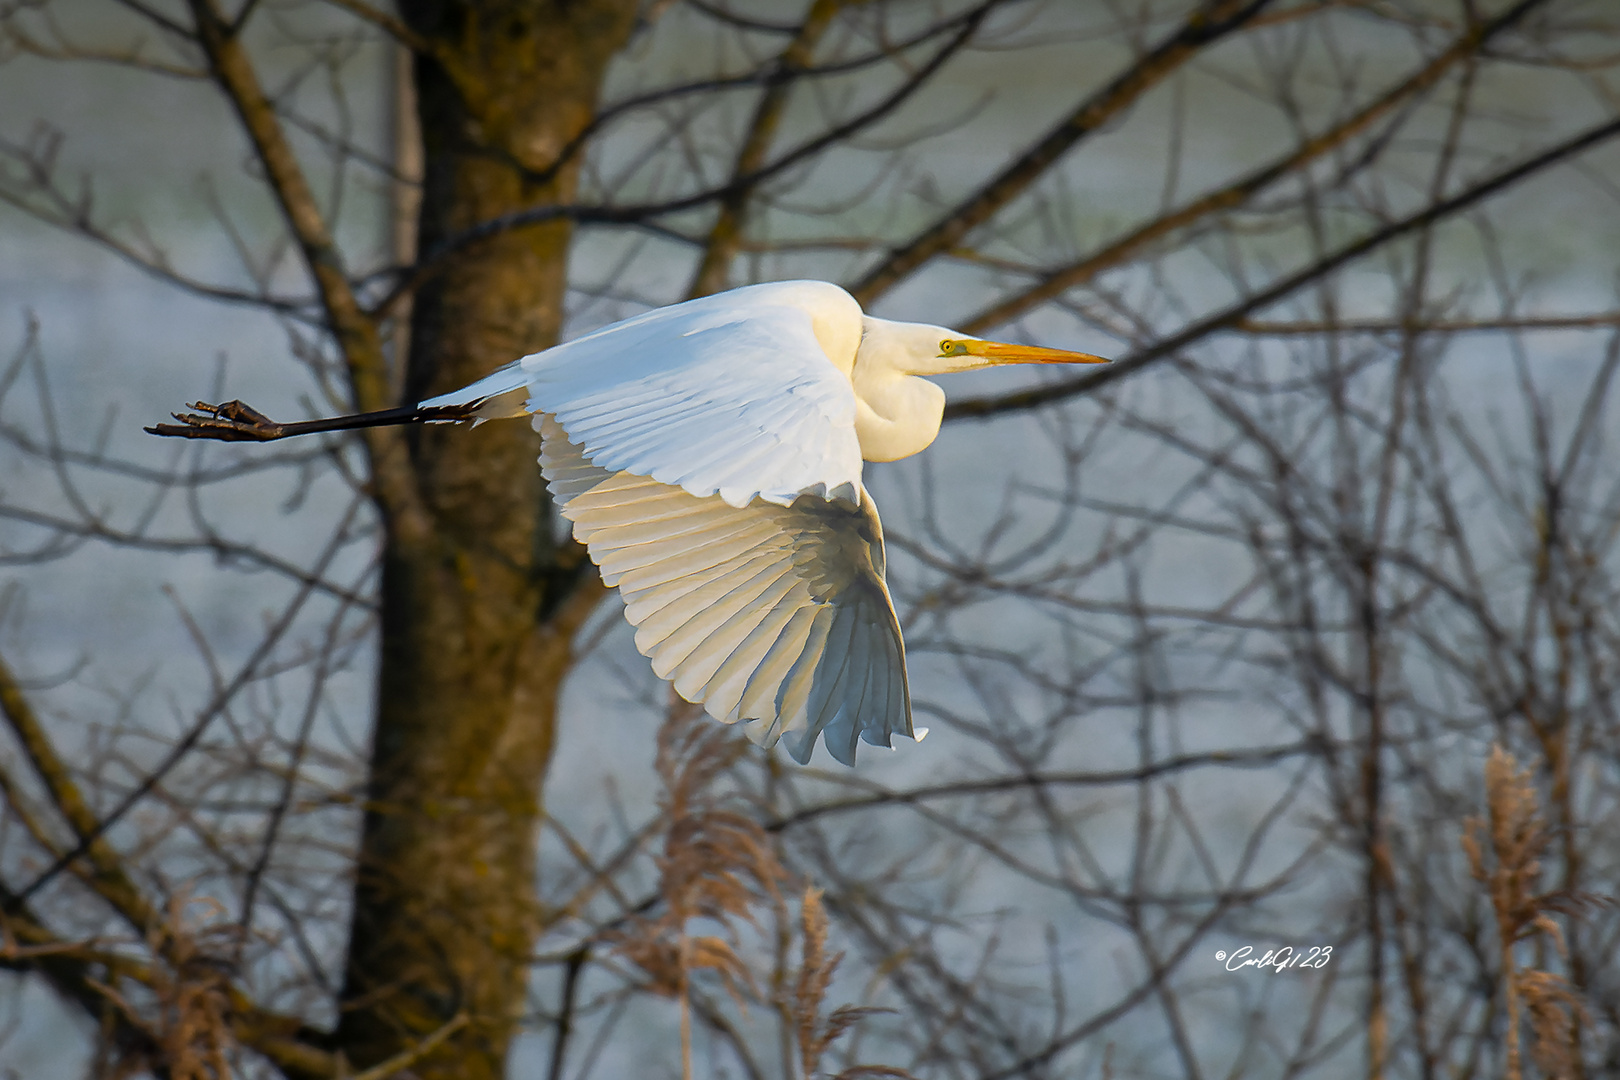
896, 415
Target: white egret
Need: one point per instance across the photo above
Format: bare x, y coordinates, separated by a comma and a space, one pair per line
708, 455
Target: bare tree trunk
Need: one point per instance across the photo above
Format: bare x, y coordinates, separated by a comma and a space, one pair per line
478, 614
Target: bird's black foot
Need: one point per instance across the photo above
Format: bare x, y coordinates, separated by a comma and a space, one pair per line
233, 421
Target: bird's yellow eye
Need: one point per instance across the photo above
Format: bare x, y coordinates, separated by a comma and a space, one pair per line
952, 348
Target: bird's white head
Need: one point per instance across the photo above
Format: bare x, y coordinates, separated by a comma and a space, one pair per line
919, 349
897, 414
959, 353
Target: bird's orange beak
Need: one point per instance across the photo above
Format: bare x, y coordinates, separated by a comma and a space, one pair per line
997, 352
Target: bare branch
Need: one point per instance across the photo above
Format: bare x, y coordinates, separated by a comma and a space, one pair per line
725, 234
111, 880
355, 332
1233, 315
1209, 24
1055, 282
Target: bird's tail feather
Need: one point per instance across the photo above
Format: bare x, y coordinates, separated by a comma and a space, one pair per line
498, 391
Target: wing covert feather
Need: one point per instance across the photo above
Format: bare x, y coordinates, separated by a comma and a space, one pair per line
730, 395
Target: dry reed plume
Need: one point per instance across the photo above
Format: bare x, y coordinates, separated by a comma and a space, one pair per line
1517, 836
802, 1007
719, 864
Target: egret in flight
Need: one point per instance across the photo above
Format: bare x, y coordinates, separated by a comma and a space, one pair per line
708, 455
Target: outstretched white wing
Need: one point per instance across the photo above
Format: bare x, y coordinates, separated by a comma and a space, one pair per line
776, 616
730, 395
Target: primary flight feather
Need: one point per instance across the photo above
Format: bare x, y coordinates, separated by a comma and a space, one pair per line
708, 455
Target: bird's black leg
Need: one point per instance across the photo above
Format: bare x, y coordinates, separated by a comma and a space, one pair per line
235, 421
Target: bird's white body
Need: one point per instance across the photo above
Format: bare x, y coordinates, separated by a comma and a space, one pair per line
709, 457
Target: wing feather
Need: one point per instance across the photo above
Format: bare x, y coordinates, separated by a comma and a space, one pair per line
697, 671
863, 703
827, 690
767, 685
793, 695
731, 679
664, 506
699, 613
650, 587
705, 544
772, 616
731, 395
